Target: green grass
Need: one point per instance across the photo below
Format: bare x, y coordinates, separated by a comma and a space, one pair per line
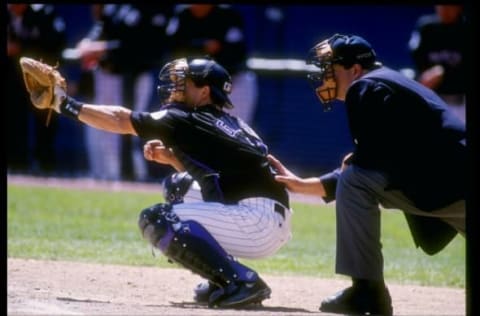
91, 226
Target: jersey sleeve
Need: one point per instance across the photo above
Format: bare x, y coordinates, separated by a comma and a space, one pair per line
329, 182
156, 125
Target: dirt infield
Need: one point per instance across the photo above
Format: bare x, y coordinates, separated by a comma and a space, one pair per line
70, 288
36, 287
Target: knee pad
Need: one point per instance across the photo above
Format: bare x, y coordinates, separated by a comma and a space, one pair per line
176, 186
157, 224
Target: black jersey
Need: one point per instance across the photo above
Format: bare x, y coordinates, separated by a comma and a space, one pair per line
221, 152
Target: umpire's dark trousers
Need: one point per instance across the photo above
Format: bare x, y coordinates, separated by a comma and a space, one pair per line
359, 194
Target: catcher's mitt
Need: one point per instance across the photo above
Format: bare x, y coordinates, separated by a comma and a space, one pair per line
46, 86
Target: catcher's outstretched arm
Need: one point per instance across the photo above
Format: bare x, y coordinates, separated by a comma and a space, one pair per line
111, 118
47, 89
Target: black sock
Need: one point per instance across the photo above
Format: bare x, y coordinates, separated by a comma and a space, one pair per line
368, 284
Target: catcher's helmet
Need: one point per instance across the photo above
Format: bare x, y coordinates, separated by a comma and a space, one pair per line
202, 71
345, 50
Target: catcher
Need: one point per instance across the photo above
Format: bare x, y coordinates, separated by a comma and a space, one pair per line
244, 213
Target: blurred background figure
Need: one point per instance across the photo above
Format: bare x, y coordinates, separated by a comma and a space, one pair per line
124, 49
217, 31
438, 46
292, 134
37, 31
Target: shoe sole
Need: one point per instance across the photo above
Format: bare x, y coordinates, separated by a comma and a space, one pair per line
348, 311
200, 300
257, 298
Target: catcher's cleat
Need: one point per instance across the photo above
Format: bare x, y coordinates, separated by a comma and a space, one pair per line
203, 291
238, 295
359, 300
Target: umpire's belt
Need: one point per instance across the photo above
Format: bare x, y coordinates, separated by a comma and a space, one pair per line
280, 209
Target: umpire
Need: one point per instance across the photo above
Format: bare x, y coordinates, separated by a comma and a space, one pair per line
409, 154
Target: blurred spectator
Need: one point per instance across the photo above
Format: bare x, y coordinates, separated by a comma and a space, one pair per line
35, 31
438, 47
125, 46
217, 31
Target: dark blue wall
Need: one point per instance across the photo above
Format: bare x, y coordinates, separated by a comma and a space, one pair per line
289, 117
387, 27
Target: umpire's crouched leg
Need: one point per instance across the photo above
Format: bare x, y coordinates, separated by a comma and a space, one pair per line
157, 224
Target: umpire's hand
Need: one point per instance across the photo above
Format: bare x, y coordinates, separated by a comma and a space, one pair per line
294, 183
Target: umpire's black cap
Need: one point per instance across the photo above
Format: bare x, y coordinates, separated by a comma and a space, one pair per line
206, 71
352, 49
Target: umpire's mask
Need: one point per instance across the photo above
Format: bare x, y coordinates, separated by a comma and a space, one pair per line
345, 50
323, 81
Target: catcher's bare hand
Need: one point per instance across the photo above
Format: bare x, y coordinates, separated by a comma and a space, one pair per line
154, 150
46, 86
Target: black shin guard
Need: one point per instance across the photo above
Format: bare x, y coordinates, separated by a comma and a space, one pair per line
196, 249
191, 245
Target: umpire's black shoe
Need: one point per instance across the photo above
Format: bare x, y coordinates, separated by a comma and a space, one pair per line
203, 291
240, 295
365, 299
